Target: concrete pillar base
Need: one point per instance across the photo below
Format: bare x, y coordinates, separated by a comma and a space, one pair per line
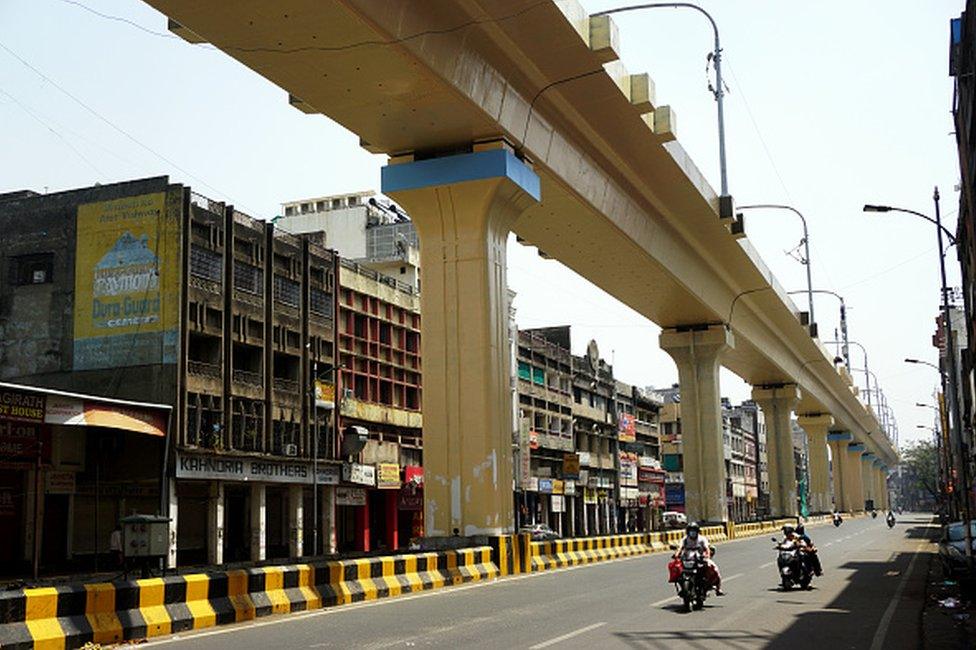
258, 523
296, 518
697, 353
463, 207
817, 427
777, 404
215, 524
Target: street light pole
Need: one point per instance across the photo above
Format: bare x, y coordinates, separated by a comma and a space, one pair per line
951, 358
867, 372
845, 350
718, 91
805, 242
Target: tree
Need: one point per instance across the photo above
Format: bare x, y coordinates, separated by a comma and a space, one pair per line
921, 467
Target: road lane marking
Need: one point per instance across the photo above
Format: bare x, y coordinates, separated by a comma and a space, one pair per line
567, 636
664, 601
731, 578
766, 566
879, 636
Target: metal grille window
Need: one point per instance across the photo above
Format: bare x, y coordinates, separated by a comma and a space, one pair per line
287, 291
390, 240
205, 263
320, 302
247, 278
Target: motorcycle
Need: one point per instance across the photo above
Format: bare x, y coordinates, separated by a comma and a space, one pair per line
890, 521
691, 582
792, 569
874, 514
837, 521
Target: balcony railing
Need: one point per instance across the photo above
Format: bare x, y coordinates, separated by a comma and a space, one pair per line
248, 378
285, 385
203, 369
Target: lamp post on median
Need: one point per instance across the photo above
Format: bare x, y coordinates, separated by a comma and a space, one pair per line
718, 91
941, 232
806, 247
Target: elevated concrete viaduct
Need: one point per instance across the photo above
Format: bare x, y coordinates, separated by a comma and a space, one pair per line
517, 115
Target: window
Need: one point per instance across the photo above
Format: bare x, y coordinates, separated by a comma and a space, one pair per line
539, 376
287, 291
524, 371
32, 269
336, 204
205, 263
320, 206
320, 302
289, 211
673, 462
306, 208
247, 278
353, 200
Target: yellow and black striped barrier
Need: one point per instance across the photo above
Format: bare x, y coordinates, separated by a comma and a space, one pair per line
69, 616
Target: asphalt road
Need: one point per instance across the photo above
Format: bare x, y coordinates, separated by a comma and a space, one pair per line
870, 597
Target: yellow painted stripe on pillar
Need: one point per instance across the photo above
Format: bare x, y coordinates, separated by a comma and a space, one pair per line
238, 595
151, 594
364, 579
197, 601
274, 587
100, 612
46, 633
40, 603
306, 584
389, 577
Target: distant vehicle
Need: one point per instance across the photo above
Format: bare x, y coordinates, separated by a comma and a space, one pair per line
952, 548
674, 519
539, 532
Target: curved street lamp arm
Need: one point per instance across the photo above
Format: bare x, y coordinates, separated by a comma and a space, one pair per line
673, 5
886, 208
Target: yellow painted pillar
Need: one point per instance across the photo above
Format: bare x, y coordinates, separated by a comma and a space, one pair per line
854, 489
697, 354
839, 460
881, 484
868, 478
463, 207
777, 405
817, 427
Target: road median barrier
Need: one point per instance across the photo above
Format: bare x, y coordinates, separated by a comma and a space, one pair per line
69, 616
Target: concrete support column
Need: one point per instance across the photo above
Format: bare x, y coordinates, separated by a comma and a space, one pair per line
882, 491
839, 459
259, 523
868, 480
215, 523
877, 475
854, 484
296, 518
697, 354
817, 427
327, 519
463, 207
777, 406
174, 520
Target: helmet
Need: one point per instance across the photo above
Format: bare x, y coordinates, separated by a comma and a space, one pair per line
693, 528
788, 530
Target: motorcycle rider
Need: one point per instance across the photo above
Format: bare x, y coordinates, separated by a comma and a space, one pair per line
890, 519
695, 541
810, 556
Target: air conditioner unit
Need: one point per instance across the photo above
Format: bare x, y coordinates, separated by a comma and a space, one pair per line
291, 449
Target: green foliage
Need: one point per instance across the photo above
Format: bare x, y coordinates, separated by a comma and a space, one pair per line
921, 463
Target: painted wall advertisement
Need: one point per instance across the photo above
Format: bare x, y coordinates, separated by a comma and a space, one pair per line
127, 283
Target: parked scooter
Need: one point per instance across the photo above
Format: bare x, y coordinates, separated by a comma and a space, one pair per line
688, 573
793, 571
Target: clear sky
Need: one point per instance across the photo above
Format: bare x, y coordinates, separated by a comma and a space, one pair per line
831, 105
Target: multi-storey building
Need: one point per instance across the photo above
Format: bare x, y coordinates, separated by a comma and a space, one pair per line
672, 460
547, 492
149, 292
744, 419
735, 473
640, 493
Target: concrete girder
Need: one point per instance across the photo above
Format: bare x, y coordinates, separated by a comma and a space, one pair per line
433, 75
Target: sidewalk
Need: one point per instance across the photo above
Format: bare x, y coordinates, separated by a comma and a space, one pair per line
949, 615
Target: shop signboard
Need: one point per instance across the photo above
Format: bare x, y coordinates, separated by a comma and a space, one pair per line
558, 503
589, 496
533, 440
525, 458
359, 474
262, 470
584, 458
674, 494
626, 427
545, 485
407, 501
60, 482
584, 476
350, 496
127, 283
533, 484
324, 395
558, 486
388, 476
628, 467
413, 474
21, 415
569, 488
571, 466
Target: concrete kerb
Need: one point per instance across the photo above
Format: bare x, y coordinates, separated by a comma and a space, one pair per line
69, 616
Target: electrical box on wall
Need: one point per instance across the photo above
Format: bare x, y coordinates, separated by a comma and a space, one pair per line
145, 536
